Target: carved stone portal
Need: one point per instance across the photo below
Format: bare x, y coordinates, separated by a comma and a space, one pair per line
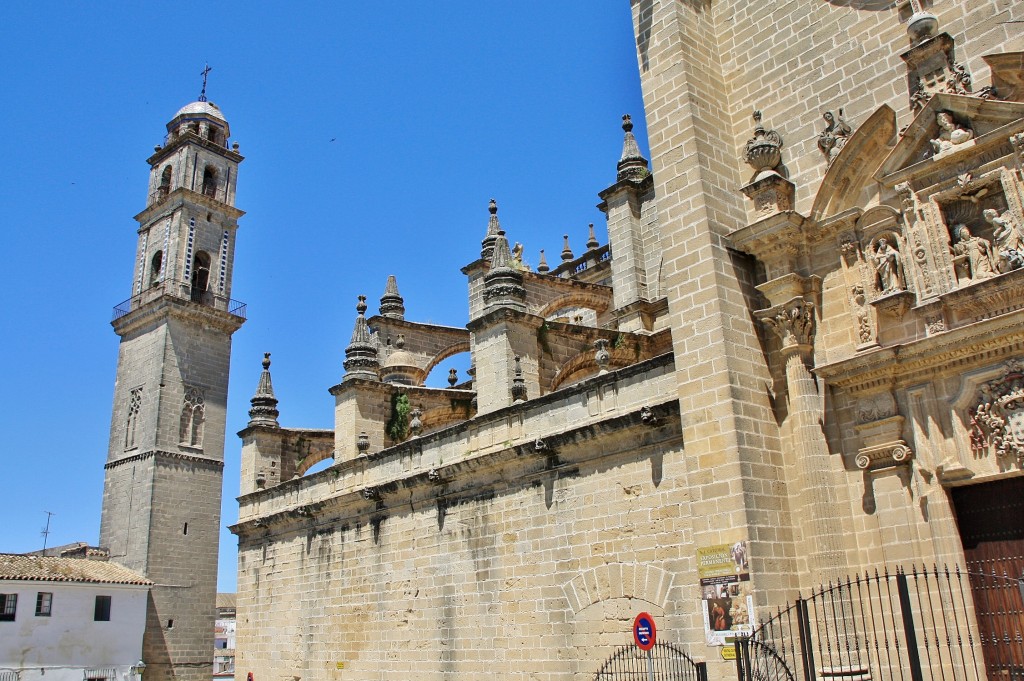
997, 417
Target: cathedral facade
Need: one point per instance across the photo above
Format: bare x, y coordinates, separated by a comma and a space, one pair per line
799, 357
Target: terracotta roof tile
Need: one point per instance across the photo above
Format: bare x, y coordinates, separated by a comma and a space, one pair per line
49, 569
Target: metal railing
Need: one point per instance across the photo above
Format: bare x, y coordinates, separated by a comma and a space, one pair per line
183, 291
906, 626
663, 662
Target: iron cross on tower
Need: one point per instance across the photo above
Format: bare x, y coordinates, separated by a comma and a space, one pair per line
204, 73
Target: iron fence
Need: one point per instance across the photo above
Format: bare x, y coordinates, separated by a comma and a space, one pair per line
663, 662
903, 625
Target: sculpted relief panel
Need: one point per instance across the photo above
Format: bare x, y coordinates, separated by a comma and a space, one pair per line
997, 417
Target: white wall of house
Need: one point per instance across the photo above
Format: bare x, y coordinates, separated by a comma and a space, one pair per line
69, 645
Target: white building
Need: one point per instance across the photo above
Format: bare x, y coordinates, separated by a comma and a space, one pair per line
224, 637
69, 619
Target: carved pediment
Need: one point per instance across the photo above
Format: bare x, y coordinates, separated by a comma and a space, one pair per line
976, 124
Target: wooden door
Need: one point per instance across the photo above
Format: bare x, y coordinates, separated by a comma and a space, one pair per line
991, 520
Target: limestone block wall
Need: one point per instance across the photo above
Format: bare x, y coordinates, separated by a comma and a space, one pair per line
183, 567
273, 455
127, 506
477, 550
731, 433
824, 56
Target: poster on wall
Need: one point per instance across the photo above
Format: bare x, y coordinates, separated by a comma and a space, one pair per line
726, 598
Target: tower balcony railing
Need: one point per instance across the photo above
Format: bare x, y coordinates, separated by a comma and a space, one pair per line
182, 290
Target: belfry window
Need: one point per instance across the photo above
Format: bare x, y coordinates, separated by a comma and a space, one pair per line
155, 267
193, 417
200, 276
210, 181
165, 182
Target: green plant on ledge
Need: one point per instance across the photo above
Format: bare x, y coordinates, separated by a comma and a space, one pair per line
397, 426
542, 338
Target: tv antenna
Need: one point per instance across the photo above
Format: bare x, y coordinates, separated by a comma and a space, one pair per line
46, 530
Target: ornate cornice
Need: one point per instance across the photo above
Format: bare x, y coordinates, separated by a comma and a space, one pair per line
953, 351
179, 197
777, 240
450, 482
159, 453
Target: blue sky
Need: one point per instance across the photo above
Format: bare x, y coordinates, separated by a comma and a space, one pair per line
374, 136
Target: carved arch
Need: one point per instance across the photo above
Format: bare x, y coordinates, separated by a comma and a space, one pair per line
618, 580
878, 218
445, 353
583, 364
587, 299
315, 451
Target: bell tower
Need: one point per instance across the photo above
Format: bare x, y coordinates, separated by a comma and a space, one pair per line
164, 469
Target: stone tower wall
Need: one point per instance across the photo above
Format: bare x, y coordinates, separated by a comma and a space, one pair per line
731, 435
162, 490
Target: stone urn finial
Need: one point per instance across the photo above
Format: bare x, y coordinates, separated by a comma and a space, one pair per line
764, 150
922, 25
518, 389
415, 422
602, 357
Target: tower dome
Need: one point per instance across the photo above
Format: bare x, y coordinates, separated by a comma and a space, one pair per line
202, 118
208, 108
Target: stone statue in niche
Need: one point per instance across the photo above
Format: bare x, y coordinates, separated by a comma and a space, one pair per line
951, 133
972, 255
833, 138
888, 267
1009, 239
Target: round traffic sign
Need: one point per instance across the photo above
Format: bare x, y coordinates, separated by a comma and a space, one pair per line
644, 631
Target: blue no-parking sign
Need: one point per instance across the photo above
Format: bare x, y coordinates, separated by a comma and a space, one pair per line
644, 631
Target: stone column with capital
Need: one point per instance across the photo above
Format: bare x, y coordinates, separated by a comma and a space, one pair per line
794, 322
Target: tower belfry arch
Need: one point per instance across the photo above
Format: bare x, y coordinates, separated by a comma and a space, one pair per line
164, 468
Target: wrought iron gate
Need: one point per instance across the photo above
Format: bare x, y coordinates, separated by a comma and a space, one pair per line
664, 662
906, 626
